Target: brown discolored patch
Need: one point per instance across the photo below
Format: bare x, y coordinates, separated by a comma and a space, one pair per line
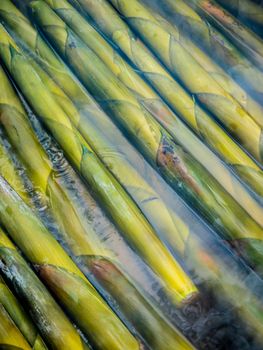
103, 269
217, 12
159, 110
168, 159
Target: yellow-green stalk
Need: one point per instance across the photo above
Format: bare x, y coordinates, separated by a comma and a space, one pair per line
247, 11
10, 336
102, 327
119, 205
113, 26
191, 21
22, 320
8, 170
201, 84
156, 332
179, 169
244, 38
74, 226
80, 246
33, 43
171, 11
53, 324
222, 144
166, 222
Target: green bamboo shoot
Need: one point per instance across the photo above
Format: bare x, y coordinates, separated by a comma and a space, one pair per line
113, 26
24, 226
119, 205
55, 327
201, 84
229, 151
8, 171
247, 11
171, 10
243, 37
75, 228
22, 320
82, 246
10, 337
167, 222
184, 173
190, 20
157, 333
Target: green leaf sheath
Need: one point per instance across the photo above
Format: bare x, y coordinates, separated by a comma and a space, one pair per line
34, 44
76, 230
10, 336
167, 222
202, 85
151, 324
84, 243
91, 126
174, 13
15, 310
157, 333
246, 40
22, 320
221, 143
184, 173
217, 45
79, 246
9, 172
120, 206
247, 11
23, 227
177, 233
113, 26
47, 315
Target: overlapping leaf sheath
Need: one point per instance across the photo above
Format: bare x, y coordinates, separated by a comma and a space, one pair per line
246, 10
184, 173
29, 38
216, 44
179, 240
82, 246
171, 91
169, 10
243, 37
119, 205
22, 320
201, 84
55, 327
85, 243
74, 226
102, 326
8, 170
10, 337
152, 328
247, 169
183, 243
167, 222
82, 243
227, 276
157, 333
